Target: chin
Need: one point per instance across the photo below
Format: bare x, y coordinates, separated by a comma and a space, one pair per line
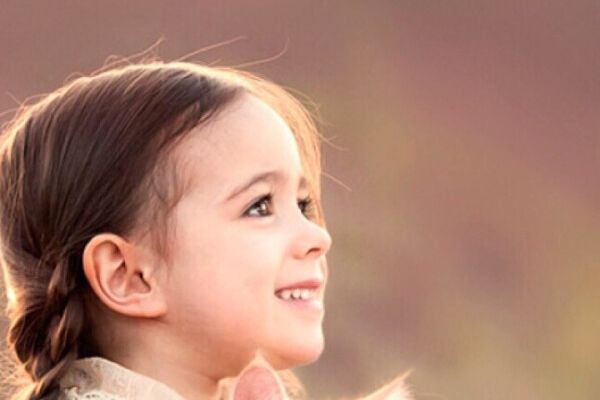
290, 354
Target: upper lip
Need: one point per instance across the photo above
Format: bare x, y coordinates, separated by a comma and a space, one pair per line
306, 284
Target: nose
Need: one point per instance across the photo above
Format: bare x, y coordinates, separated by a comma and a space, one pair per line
311, 239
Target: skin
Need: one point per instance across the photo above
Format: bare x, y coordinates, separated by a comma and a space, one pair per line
212, 310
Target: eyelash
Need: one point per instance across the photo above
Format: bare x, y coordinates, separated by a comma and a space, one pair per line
305, 204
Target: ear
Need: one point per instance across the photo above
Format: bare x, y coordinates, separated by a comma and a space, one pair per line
123, 277
258, 381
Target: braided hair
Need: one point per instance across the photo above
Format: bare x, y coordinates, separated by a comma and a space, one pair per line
60, 315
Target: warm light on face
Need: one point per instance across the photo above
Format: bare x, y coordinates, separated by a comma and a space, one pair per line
248, 269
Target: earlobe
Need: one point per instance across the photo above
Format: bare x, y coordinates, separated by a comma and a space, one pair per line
121, 279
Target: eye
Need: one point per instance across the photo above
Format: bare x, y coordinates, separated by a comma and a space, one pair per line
261, 208
306, 206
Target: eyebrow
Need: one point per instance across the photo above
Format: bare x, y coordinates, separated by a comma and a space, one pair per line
262, 177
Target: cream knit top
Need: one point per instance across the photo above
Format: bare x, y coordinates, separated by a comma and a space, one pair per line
101, 379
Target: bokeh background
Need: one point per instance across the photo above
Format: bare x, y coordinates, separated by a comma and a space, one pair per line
462, 187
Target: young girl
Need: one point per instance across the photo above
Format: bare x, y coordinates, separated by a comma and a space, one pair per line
162, 237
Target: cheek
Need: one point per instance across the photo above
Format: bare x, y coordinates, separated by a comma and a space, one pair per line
225, 281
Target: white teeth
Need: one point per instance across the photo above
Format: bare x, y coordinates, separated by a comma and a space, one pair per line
296, 294
304, 294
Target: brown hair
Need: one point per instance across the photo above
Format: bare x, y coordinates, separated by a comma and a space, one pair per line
93, 157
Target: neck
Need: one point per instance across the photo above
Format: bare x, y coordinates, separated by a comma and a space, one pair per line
193, 370
183, 369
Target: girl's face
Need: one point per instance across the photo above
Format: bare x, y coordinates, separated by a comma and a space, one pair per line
240, 235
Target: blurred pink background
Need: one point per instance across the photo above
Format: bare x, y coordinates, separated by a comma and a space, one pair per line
467, 246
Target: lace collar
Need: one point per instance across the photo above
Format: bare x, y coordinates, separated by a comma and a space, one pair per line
99, 378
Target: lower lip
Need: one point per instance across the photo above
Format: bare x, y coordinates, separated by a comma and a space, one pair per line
315, 306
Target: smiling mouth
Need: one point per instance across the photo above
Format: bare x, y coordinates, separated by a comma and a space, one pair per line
302, 299
306, 290
299, 294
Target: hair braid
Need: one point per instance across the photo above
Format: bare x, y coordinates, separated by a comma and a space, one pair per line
47, 349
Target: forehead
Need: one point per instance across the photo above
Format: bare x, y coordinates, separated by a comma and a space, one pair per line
246, 137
